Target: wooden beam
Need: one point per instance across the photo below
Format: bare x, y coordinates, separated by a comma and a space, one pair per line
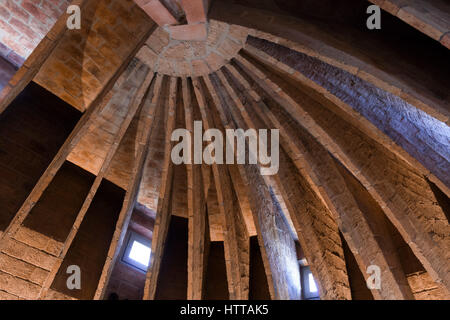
165, 196
196, 209
236, 239
380, 175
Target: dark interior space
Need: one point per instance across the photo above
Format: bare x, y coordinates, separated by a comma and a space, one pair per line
357, 280
7, 71
91, 244
32, 129
172, 280
216, 276
259, 289
68, 189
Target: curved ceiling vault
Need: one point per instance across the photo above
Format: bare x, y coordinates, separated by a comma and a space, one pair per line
363, 115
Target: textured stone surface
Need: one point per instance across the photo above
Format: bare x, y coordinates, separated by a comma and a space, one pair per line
396, 186
92, 149
194, 58
383, 60
23, 270
86, 59
422, 136
24, 24
157, 11
29, 254
18, 287
424, 288
353, 187
7, 71
328, 185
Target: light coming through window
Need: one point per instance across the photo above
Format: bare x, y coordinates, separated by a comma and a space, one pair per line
137, 252
310, 290
312, 284
140, 253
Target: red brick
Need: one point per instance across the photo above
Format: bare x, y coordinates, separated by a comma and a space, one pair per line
15, 59
24, 29
195, 10
8, 30
18, 11
4, 50
31, 8
4, 12
200, 67
14, 45
195, 32
50, 10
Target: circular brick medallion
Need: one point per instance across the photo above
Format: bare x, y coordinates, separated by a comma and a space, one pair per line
194, 58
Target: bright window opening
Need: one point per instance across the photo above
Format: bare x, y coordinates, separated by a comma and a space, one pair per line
312, 284
140, 253
137, 252
310, 291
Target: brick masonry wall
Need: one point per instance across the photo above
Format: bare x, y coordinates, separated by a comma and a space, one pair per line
422, 136
185, 58
23, 24
216, 276
23, 270
126, 281
259, 289
172, 281
424, 288
86, 59
26, 260
30, 135
101, 134
356, 279
412, 195
7, 71
92, 240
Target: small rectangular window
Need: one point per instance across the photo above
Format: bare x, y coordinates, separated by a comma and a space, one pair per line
137, 252
309, 286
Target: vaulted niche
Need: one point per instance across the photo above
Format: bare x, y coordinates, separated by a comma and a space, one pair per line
32, 129
90, 246
172, 280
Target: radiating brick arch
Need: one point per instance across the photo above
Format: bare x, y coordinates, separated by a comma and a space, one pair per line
363, 175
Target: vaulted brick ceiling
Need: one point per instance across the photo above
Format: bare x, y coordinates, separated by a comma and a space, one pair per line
187, 22
364, 137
